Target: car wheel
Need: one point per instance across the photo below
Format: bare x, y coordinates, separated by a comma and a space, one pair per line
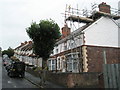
9, 74
22, 75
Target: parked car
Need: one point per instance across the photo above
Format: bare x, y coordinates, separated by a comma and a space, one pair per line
7, 67
5, 63
16, 68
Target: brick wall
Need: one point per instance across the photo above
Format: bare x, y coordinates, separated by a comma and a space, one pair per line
76, 80
71, 80
96, 60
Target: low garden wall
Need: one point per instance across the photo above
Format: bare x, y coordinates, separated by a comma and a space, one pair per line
81, 80
70, 80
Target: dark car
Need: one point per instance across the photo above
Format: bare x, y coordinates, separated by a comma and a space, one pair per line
16, 68
5, 63
7, 67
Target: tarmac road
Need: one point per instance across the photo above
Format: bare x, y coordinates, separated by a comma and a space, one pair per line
16, 82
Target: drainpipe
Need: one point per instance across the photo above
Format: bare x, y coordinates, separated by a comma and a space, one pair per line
104, 57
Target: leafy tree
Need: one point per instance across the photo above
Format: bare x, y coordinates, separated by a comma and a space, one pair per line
9, 52
44, 36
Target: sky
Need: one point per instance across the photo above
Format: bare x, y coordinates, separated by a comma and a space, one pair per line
17, 15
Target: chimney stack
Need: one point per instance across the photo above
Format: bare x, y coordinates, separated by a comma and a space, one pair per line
65, 31
25, 42
103, 7
29, 42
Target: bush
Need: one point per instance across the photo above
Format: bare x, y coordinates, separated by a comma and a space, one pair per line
14, 58
38, 69
9, 52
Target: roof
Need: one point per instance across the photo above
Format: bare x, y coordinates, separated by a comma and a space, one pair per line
74, 33
27, 47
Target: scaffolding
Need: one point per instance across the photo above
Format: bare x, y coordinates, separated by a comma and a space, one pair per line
74, 55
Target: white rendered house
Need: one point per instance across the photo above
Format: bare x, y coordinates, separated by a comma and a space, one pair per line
83, 49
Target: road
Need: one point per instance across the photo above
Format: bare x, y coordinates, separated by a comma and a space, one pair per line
8, 82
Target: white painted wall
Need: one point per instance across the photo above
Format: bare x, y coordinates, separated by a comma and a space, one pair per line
119, 24
77, 41
39, 62
119, 7
103, 32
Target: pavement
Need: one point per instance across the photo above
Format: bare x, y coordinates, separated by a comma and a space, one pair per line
36, 81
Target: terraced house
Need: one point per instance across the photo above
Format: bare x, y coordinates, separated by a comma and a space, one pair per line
90, 46
24, 53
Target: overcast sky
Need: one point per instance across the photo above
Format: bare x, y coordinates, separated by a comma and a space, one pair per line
17, 15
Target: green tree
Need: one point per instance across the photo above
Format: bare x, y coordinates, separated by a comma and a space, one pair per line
9, 52
44, 36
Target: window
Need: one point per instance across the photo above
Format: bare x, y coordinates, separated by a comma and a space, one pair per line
53, 64
72, 45
49, 64
72, 62
53, 67
53, 61
69, 65
65, 47
75, 66
58, 63
57, 50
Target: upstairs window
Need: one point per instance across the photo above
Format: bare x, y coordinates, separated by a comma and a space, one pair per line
57, 50
65, 46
